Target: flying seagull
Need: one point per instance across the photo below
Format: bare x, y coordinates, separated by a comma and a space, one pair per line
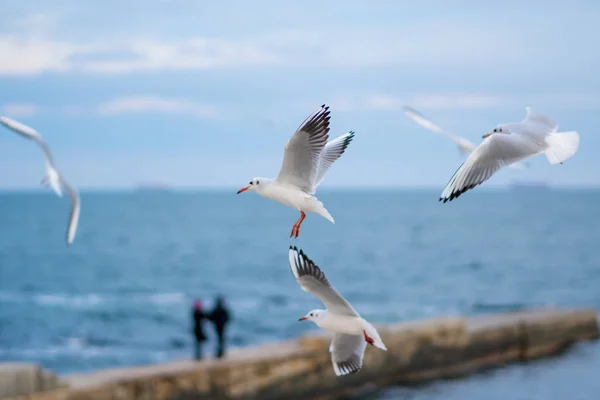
508, 143
465, 146
351, 333
307, 158
53, 178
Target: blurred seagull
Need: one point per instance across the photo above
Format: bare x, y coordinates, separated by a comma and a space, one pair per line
465, 146
508, 143
74, 213
308, 156
351, 333
53, 178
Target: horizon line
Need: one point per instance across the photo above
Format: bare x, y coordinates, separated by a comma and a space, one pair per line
340, 188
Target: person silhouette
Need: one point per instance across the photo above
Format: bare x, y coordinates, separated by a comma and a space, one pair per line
220, 317
198, 317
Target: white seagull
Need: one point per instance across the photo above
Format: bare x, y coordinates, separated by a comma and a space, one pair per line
74, 213
308, 156
508, 143
53, 178
351, 333
465, 146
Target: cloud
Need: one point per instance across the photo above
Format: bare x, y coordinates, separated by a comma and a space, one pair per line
454, 46
187, 54
156, 104
390, 102
458, 101
19, 109
33, 46
31, 56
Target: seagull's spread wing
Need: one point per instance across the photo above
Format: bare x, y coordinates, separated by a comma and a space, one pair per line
74, 215
331, 152
540, 120
420, 119
19, 128
29, 133
46, 150
313, 280
493, 153
303, 151
347, 353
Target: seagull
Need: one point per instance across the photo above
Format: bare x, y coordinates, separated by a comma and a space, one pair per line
53, 178
74, 214
351, 333
465, 146
508, 143
307, 158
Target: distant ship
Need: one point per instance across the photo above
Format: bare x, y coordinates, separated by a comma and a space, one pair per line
152, 187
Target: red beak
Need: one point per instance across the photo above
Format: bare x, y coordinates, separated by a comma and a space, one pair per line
486, 135
302, 319
242, 190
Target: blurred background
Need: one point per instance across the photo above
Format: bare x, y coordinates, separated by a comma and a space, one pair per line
159, 111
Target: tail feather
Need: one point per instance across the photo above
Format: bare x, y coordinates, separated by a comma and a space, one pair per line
373, 334
561, 146
322, 211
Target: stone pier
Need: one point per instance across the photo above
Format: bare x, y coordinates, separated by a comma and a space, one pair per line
301, 369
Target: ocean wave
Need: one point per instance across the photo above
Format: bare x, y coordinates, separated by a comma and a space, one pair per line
85, 348
165, 298
93, 300
77, 301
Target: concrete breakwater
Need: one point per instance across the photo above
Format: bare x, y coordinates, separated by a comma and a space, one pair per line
418, 351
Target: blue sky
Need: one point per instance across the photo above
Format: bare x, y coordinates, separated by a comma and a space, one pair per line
205, 94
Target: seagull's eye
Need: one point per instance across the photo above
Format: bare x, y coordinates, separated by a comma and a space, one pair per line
257, 182
495, 130
250, 183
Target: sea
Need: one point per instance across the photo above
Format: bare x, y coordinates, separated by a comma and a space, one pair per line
122, 293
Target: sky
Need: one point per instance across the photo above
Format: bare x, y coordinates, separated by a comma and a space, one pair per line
206, 94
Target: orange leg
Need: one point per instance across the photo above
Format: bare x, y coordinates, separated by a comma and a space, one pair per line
296, 227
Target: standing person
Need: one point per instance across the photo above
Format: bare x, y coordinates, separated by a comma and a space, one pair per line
220, 316
198, 317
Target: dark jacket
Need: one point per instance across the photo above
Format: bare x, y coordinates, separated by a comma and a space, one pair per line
198, 317
219, 316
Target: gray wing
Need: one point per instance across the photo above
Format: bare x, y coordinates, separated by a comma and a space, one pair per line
331, 152
464, 144
45, 149
347, 353
29, 133
20, 128
303, 150
541, 120
495, 152
313, 280
75, 209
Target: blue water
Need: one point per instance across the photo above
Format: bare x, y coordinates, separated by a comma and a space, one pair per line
120, 295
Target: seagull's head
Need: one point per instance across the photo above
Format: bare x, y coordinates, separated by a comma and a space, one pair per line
256, 184
313, 315
498, 129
